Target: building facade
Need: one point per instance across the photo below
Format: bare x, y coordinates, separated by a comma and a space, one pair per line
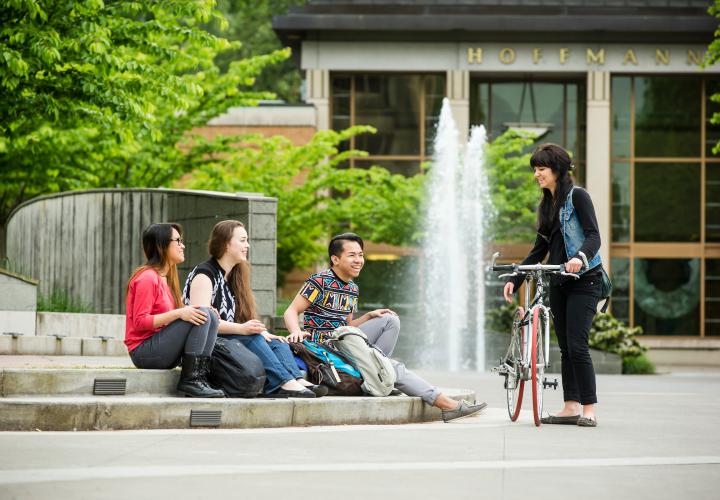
620, 83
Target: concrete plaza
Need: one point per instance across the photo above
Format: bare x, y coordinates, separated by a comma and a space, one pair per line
657, 438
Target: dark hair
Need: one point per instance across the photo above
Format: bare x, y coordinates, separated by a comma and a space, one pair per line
559, 161
337, 242
239, 276
156, 239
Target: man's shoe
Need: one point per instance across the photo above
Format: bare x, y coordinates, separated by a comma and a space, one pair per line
463, 410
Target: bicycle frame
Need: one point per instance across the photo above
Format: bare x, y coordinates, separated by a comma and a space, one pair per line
537, 302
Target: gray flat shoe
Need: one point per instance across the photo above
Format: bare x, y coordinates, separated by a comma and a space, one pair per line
553, 419
463, 410
587, 422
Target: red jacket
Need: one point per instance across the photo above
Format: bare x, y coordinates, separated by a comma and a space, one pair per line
148, 295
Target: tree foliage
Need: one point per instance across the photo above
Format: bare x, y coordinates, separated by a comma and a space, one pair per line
316, 196
712, 56
103, 94
513, 192
251, 23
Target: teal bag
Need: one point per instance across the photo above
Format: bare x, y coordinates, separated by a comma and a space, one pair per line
331, 356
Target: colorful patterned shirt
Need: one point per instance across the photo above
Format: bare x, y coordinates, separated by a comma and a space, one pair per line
332, 300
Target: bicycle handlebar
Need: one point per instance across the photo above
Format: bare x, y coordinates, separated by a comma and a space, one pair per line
523, 269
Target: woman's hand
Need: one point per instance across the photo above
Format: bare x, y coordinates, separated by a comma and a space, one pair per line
508, 291
297, 336
252, 327
269, 337
573, 265
192, 314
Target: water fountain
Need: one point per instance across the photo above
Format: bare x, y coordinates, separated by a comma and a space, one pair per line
453, 277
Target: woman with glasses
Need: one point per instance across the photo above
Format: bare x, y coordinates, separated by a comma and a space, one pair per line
159, 330
567, 230
223, 282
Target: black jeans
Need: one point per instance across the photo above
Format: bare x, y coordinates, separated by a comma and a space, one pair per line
164, 349
573, 306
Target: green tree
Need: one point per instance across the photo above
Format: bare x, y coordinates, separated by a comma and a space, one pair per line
251, 24
103, 94
513, 192
712, 56
316, 197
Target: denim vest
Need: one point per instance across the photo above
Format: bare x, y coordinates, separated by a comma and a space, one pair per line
573, 234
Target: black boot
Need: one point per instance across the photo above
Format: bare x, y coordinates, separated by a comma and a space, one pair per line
192, 379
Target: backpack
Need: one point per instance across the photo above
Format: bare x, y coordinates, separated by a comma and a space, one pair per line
606, 288
330, 368
377, 369
235, 369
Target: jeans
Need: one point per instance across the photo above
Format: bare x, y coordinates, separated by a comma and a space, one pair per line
276, 357
164, 349
573, 306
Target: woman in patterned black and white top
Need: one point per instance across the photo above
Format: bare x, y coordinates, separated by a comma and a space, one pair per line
223, 282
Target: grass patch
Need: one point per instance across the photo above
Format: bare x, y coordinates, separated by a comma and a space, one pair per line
61, 301
638, 365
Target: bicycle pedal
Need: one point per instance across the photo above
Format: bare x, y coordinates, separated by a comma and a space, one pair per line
553, 384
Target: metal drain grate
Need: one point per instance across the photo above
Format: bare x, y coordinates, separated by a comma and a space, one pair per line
205, 418
110, 387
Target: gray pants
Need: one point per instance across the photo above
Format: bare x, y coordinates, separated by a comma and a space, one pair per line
164, 349
412, 384
383, 332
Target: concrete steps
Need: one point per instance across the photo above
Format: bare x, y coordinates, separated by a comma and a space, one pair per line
119, 398
59, 345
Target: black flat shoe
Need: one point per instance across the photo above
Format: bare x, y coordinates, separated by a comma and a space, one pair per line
587, 422
284, 393
319, 390
553, 419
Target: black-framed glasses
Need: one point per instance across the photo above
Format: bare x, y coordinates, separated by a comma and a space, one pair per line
179, 240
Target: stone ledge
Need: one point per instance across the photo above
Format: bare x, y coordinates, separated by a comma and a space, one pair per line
123, 413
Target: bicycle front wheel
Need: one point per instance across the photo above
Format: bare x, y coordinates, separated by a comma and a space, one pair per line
537, 362
514, 382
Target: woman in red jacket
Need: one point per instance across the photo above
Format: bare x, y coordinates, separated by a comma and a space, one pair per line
159, 331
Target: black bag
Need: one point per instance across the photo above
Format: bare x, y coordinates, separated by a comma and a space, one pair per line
235, 369
605, 289
338, 382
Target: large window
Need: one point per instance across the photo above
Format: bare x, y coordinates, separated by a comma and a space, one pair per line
553, 110
665, 204
404, 108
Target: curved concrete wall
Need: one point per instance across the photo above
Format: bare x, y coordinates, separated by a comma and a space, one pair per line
88, 242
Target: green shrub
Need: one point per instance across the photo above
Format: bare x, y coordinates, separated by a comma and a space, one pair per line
61, 301
609, 334
499, 319
638, 365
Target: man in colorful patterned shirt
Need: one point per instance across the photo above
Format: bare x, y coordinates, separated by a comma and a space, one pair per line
333, 297
328, 300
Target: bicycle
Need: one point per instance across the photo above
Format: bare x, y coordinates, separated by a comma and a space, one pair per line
528, 354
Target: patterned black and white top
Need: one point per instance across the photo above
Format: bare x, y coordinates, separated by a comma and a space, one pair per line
222, 297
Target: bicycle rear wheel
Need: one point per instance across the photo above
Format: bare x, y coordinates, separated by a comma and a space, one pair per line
514, 383
537, 363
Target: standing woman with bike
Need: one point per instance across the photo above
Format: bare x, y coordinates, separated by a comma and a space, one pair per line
567, 229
